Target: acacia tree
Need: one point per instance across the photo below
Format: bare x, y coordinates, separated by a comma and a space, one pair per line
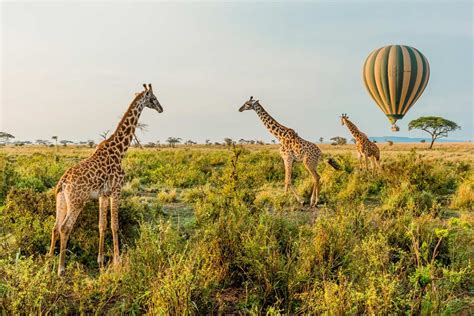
321, 139
437, 127
173, 141
104, 134
228, 141
338, 140
64, 142
5, 137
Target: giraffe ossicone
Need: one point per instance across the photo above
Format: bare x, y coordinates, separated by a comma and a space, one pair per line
101, 175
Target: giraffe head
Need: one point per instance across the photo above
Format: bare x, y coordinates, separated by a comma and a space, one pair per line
344, 117
249, 105
150, 100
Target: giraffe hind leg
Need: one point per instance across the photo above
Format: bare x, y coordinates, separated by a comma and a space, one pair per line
61, 210
311, 167
104, 203
73, 211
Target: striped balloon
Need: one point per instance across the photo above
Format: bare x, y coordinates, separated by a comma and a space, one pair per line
395, 77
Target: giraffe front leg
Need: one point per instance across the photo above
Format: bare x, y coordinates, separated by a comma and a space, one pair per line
288, 160
359, 158
104, 202
61, 210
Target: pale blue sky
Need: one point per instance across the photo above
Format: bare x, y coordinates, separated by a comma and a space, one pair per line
71, 69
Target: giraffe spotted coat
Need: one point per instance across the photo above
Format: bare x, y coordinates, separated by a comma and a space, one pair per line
99, 176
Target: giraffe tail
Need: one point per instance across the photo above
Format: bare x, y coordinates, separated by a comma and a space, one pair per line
59, 187
333, 163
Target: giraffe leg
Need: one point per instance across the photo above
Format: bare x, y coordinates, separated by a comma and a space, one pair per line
65, 230
103, 208
311, 167
61, 210
114, 223
288, 161
379, 167
366, 162
359, 158
372, 163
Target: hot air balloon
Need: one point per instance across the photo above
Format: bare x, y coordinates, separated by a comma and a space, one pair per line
395, 77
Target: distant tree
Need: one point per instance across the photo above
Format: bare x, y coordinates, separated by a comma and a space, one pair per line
373, 141
150, 145
64, 142
5, 137
437, 127
390, 142
55, 139
251, 142
90, 143
42, 142
321, 139
260, 142
172, 141
338, 140
423, 141
190, 142
228, 141
273, 141
208, 142
217, 143
142, 127
104, 134
242, 141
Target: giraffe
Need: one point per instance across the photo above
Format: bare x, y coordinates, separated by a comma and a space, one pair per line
365, 148
292, 148
99, 176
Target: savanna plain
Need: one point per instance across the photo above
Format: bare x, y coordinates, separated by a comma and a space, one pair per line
210, 230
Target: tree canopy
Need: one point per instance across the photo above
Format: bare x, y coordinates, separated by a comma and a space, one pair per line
436, 126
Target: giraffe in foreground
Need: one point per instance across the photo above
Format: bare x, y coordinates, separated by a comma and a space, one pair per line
365, 148
99, 176
292, 148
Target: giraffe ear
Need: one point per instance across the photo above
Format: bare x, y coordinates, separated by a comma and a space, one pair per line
149, 87
144, 86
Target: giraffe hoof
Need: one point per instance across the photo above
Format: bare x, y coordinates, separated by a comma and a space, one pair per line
61, 271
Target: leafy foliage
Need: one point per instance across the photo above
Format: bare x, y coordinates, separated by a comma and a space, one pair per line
397, 242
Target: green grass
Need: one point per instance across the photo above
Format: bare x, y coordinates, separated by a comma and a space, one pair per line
210, 230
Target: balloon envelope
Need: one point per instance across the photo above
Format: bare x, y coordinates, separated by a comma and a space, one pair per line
395, 77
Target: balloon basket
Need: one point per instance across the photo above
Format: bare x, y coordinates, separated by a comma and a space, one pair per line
395, 128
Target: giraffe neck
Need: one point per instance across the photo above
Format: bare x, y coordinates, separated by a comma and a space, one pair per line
120, 140
270, 123
354, 130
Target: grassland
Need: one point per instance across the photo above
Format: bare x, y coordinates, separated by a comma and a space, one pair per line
208, 229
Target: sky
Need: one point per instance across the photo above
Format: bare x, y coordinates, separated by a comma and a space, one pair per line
71, 68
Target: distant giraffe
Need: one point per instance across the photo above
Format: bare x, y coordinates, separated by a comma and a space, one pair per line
99, 176
365, 148
292, 148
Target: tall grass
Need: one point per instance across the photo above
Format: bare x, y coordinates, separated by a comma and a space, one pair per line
397, 242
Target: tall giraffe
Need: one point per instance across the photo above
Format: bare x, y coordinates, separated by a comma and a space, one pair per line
365, 148
99, 176
292, 148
